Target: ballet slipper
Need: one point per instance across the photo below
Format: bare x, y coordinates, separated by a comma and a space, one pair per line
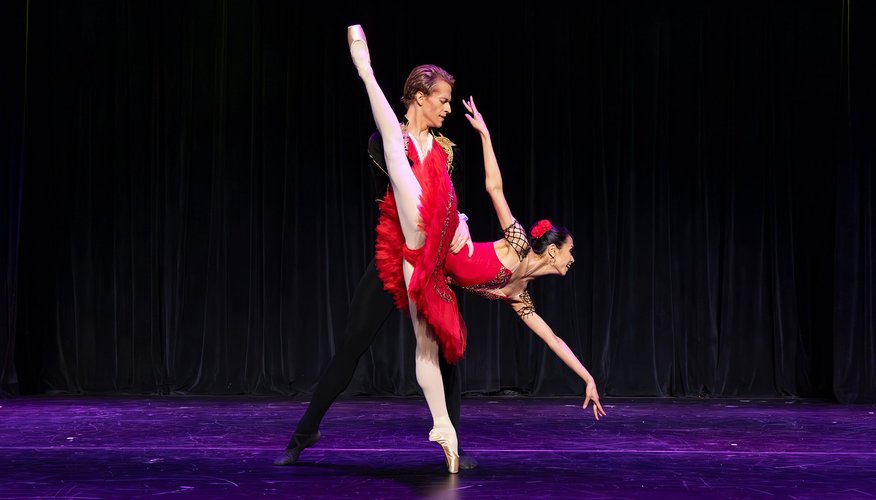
298, 443
446, 438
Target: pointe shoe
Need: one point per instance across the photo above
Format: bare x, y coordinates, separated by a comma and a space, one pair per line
298, 443
446, 438
359, 51
355, 33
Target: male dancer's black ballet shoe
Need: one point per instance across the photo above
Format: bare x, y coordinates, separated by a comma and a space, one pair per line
442, 437
298, 443
466, 461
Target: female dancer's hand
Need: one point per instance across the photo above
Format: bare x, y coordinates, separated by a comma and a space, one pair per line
474, 116
593, 395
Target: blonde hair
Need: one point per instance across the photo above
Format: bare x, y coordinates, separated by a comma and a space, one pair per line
423, 79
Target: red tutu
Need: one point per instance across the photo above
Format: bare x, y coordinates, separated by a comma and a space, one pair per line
428, 287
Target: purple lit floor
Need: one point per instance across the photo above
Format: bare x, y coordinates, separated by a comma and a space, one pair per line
196, 447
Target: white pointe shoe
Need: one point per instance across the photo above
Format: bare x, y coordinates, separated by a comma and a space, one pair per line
359, 51
446, 438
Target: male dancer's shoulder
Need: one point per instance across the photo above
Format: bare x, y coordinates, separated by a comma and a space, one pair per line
454, 157
375, 152
450, 148
379, 173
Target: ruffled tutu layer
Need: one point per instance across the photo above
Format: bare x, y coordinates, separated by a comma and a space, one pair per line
433, 298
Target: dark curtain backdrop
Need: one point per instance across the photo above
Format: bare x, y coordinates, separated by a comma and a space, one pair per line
188, 204
854, 325
12, 169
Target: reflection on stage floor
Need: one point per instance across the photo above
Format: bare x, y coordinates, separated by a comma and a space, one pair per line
123, 447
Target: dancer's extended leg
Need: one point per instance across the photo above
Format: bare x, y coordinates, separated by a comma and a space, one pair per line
404, 183
368, 311
407, 191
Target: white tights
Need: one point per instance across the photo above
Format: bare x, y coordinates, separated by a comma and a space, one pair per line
407, 191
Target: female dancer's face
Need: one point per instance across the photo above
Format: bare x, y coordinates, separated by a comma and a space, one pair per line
436, 106
564, 259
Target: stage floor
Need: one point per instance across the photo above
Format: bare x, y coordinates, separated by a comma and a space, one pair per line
221, 447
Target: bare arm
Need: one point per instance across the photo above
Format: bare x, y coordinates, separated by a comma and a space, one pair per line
492, 174
538, 325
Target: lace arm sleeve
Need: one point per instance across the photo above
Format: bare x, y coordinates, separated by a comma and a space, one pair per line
516, 237
524, 306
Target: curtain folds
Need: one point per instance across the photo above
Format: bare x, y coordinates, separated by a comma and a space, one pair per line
13, 65
189, 205
854, 326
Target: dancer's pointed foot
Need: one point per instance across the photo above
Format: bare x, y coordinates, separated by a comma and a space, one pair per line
359, 49
355, 33
446, 438
298, 443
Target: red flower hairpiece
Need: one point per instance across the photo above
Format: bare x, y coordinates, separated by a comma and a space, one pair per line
540, 228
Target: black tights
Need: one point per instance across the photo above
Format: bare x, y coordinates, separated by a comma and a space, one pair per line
370, 308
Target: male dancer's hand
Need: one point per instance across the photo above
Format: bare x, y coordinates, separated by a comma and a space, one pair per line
462, 238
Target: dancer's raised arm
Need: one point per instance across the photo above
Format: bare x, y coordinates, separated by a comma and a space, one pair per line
492, 174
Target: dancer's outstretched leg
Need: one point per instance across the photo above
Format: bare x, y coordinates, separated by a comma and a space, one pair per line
404, 183
407, 191
368, 311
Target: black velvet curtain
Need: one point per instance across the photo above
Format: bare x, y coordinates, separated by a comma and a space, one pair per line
854, 325
13, 114
188, 204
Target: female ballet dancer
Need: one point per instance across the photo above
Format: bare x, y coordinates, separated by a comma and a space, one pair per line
418, 219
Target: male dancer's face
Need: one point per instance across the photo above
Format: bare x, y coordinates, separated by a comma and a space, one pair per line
436, 106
